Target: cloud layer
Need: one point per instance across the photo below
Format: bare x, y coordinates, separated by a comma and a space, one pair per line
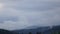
19, 14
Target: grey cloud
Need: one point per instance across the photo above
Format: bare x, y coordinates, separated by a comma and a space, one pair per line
33, 4
2, 19
30, 13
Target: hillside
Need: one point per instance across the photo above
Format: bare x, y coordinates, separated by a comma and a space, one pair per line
44, 30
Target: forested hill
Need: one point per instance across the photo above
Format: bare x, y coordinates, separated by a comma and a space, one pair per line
44, 30
39, 30
3, 31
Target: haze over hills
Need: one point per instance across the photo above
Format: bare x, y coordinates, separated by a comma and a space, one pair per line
45, 30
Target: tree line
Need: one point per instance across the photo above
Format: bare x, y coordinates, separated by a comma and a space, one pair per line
43, 33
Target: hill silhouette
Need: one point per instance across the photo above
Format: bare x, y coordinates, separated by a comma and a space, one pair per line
44, 30
3, 31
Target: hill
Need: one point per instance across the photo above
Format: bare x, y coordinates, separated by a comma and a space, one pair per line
40, 30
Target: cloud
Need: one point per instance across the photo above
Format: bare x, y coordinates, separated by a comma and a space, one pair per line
10, 25
21, 14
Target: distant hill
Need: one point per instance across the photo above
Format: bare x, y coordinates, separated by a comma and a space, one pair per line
26, 31
54, 30
44, 30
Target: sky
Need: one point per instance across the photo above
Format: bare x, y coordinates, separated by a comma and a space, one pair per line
19, 14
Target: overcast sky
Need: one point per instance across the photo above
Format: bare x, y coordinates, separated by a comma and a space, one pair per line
19, 14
